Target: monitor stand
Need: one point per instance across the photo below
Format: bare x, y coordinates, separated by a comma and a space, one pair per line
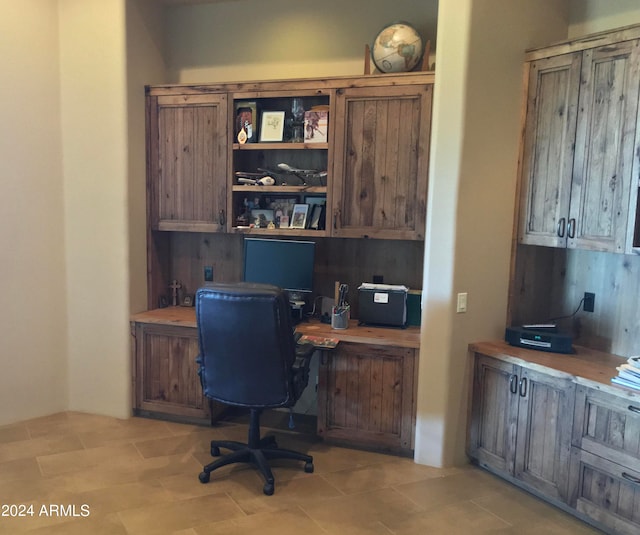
296, 303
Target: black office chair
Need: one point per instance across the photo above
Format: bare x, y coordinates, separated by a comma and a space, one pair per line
249, 358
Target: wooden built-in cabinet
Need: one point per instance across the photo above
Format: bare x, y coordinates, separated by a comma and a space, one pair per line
367, 396
556, 426
187, 162
605, 459
381, 155
366, 386
375, 158
521, 424
165, 372
580, 167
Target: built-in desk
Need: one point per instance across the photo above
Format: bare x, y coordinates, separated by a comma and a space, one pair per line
366, 386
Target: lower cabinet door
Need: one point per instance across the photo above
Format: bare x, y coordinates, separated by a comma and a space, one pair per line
166, 373
367, 396
543, 442
606, 492
494, 414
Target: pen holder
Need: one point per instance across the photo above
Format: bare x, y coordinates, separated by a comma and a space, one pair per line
340, 317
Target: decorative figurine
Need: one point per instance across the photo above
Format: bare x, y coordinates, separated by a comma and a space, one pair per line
175, 286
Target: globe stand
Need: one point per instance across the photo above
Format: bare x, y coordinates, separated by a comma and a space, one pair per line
423, 67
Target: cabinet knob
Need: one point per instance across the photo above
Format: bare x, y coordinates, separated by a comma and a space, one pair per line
561, 227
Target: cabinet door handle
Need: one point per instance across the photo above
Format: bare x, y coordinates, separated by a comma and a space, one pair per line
634, 409
222, 218
523, 387
336, 215
513, 384
561, 227
571, 228
631, 478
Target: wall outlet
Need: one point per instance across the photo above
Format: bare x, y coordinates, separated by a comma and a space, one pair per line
589, 302
208, 273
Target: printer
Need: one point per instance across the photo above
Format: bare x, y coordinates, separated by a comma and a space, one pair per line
382, 304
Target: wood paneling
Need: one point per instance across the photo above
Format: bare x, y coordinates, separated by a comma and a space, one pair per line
550, 283
349, 261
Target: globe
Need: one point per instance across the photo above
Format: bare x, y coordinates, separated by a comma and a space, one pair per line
397, 48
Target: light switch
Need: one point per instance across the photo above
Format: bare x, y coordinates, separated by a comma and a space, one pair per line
462, 303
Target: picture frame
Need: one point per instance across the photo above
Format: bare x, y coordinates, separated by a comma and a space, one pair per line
316, 214
271, 126
299, 216
187, 300
261, 218
315, 199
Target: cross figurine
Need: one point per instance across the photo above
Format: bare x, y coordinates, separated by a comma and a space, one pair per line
174, 288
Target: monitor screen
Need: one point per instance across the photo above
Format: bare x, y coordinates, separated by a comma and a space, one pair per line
284, 263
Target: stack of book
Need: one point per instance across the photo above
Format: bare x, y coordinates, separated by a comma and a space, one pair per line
628, 374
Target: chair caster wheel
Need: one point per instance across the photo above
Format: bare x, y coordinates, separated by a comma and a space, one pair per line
215, 451
268, 489
308, 468
204, 477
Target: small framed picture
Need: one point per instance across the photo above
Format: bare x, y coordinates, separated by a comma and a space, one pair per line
316, 214
299, 215
261, 218
187, 300
315, 199
271, 126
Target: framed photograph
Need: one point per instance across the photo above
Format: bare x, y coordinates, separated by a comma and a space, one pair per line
299, 215
261, 218
187, 300
315, 199
316, 214
272, 126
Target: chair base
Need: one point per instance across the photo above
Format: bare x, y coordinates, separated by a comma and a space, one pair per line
258, 451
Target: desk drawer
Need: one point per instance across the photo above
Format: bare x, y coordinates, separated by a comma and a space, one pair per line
608, 426
606, 492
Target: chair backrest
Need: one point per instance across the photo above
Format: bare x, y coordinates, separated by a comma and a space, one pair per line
247, 345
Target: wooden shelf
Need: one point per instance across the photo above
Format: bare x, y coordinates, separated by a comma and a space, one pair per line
281, 231
280, 189
281, 146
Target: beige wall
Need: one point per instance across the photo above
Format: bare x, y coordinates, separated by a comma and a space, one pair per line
590, 16
255, 39
94, 135
477, 107
33, 321
145, 65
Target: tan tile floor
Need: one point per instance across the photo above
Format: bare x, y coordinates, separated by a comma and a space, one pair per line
140, 476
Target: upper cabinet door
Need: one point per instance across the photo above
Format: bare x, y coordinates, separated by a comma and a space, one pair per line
547, 159
189, 166
381, 159
605, 146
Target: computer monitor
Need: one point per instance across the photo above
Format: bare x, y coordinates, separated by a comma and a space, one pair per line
284, 263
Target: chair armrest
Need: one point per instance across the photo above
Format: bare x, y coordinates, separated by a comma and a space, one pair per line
300, 368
